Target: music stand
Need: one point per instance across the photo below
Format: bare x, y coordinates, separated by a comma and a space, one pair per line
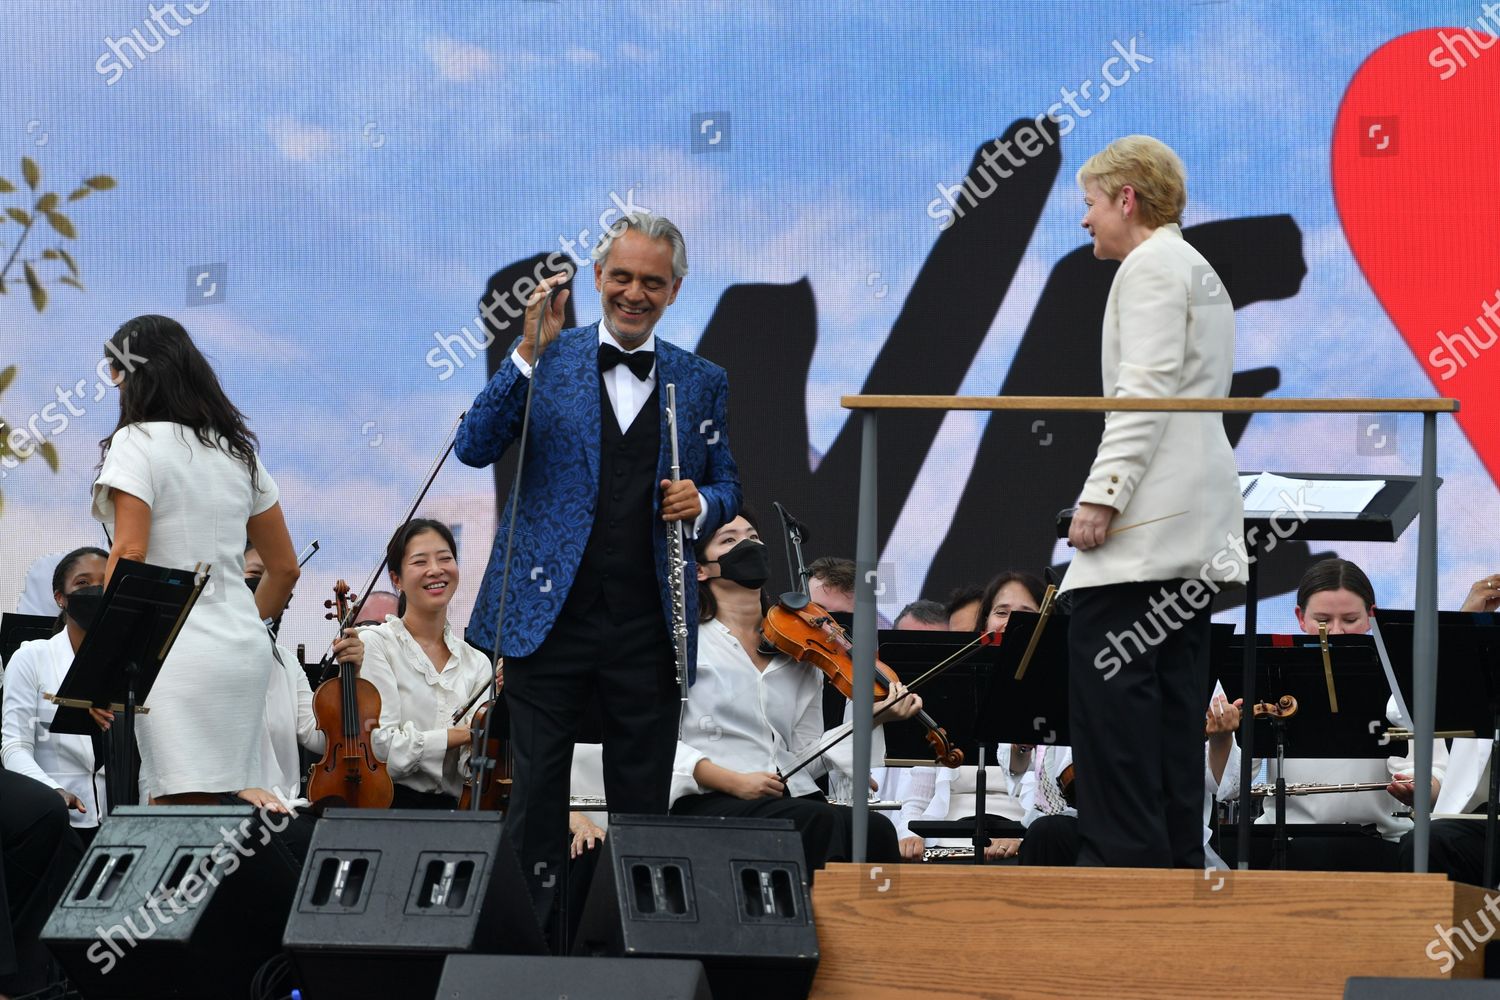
1468, 693
1387, 515
17, 628
142, 611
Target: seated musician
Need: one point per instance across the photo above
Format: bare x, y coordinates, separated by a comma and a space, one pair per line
425, 674
963, 606
1455, 846
1337, 593
751, 712
27, 746
911, 786
953, 795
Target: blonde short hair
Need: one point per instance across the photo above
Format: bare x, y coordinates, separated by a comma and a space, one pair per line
1152, 170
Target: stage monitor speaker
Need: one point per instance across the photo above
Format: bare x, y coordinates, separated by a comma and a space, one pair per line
1362, 988
472, 977
387, 894
174, 901
731, 893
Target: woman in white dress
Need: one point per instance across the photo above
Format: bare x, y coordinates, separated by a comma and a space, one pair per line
181, 484
27, 746
424, 672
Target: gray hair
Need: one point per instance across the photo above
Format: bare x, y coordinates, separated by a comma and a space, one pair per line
651, 226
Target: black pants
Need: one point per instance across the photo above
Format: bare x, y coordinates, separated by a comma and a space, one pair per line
632, 668
1455, 847
1051, 841
40, 853
827, 831
1137, 690
403, 797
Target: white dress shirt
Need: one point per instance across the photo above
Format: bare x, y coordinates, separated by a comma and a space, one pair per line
417, 702
27, 744
290, 723
627, 394
752, 720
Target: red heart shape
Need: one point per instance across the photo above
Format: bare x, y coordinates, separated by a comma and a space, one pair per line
1416, 190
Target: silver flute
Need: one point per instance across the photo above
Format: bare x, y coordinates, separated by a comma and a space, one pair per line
677, 566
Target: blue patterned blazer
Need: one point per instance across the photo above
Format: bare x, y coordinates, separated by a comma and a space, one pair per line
561, 480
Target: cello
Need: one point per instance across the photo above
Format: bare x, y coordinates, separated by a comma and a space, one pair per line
347, 708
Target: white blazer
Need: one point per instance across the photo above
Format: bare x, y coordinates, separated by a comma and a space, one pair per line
1168, 331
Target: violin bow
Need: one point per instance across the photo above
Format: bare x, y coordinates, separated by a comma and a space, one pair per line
411, 512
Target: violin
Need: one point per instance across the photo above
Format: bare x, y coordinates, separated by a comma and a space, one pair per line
348, 710
493, 780
810, 635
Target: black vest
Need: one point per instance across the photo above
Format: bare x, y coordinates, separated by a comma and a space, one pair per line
619, 561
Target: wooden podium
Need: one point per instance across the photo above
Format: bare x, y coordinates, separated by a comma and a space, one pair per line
997, 931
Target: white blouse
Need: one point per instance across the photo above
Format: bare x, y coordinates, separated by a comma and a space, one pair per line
417, 702
27, 744
750, 720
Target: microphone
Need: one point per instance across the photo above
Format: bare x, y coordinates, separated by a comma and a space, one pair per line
790, 522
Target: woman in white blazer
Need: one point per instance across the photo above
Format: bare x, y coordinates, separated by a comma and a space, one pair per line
1156, 525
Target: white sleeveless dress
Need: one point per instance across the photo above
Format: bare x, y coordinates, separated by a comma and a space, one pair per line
208, 706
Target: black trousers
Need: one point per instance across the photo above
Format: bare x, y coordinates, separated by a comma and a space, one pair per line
631, 667
1051, 841
404, 797
1137, 690
40, 853
1455, 847
827, 831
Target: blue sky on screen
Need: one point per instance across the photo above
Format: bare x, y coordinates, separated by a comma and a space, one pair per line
362, 170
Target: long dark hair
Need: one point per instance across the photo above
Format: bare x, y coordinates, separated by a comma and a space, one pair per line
395, 552
708, 605
61, 573
1335, 574
1033, 585
167, 378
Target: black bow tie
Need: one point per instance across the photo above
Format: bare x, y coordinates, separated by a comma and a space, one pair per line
640, 363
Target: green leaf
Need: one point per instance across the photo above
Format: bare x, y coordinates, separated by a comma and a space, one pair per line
62, 224
82, 192
31, 172
38, 293
46, 202
7, 377
48, 451
70, 280
68, 260
100, 182
20, 215
6, 186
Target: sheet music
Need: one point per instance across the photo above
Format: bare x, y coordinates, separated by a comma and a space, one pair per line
1263, 492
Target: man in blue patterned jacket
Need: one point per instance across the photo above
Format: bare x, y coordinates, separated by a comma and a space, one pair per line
588, 600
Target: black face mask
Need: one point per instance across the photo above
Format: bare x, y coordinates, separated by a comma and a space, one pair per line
83, 605
252, 582
746, 564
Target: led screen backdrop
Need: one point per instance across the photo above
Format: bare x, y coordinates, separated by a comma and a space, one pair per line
325, 195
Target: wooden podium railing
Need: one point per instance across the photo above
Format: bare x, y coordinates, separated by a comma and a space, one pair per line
1424, 639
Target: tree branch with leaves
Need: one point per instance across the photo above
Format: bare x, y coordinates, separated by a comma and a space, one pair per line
45, 207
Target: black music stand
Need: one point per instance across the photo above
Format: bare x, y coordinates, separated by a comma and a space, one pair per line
951, 699
17, 628
1294, 665
141, 613
1468, 693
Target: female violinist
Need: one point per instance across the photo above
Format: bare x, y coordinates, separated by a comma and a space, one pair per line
423, 671
751, 712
